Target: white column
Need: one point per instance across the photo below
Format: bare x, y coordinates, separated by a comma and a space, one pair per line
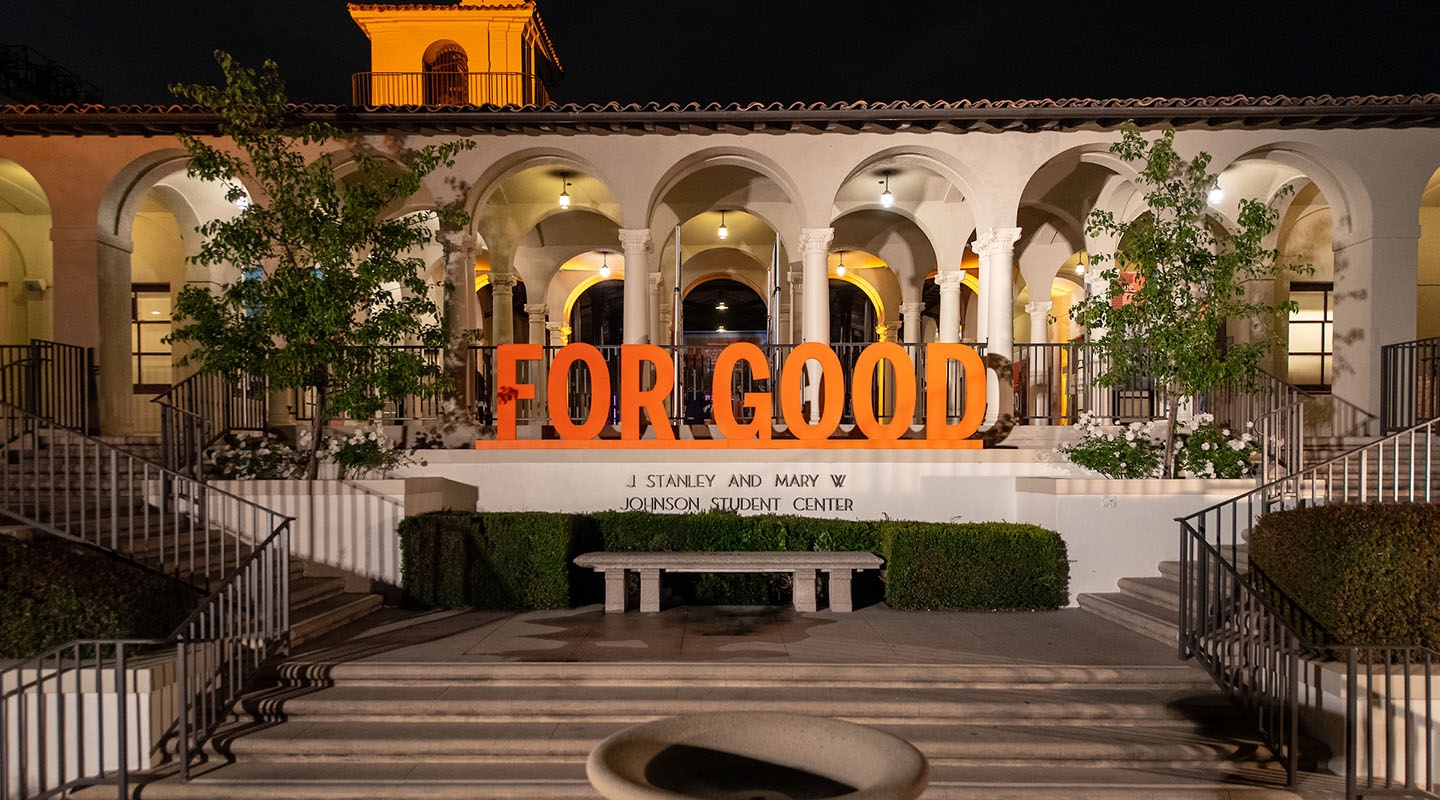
950, 281
1374, 306
982, 304
559, 333
815, 250
911, 327
536, 312
659, 331
795, 279
636, 244
999, 245
115, 384
460, 311
503, 310
1039, 321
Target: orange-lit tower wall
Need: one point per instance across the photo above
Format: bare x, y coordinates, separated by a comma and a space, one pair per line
477, 52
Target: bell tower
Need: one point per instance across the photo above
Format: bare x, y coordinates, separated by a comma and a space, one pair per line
476, 52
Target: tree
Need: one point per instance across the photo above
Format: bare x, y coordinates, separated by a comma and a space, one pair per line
329, 277
1173, 284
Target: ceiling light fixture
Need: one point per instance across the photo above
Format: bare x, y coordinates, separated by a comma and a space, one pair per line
840, 270
724, 232
565, 190
242, 202
604, 265
886, 198
1215, 196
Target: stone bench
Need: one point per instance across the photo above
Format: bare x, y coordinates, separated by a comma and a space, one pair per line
803, 566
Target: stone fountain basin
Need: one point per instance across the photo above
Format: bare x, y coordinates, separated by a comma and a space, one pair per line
756, 756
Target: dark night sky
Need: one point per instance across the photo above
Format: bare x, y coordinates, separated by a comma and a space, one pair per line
787, 50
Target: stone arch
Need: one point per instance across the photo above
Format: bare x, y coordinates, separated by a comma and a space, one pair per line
957, 172
555, 160
763, 166
1337, 181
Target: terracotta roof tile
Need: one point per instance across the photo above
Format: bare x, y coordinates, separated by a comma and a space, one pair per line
1322, 111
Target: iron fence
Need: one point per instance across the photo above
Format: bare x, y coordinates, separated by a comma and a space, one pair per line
201, 409
1410, 383
394, 410
82, 489
52, 380
447, 89
1250, 637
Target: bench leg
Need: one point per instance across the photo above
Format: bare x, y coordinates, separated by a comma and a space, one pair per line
614, 591
804, 581
650, 590
840, 590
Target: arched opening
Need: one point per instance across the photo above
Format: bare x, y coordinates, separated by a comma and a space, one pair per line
446, 74
598, 315
25, 256
1427, 288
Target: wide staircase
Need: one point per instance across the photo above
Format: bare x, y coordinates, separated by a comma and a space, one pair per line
108, 492
322, 729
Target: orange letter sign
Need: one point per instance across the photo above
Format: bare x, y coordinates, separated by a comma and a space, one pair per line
938, 356
723, 392
506, 355
633, 396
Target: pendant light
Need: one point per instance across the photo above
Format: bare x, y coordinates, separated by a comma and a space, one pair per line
886, 198
565, 190
604, 265
840, 270
724, 232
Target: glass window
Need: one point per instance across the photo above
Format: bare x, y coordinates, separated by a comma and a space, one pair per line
150, 323
1311, 335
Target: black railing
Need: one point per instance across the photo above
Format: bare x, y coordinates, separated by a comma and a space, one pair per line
447, 89
82, 489
1410, 383
51, 380
200, 410
409, 408
1250, 637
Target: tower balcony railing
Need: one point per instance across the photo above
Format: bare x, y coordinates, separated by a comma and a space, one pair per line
447, 89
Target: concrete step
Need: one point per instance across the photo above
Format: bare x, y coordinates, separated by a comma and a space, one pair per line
308, 591
392, 705
300, 672
956, 744
319, 618
1132, 613
566, 781
1163, 591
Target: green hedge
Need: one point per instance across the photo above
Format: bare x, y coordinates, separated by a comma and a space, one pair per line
518, 561
53, 591
989, 565
522, 560
1368, 574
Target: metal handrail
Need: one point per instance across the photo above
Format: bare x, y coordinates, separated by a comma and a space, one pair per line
200, 410
51, 379
85, 490
1230, 624
1410, 381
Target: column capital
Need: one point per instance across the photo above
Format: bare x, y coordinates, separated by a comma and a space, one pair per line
1095, 275
816, 240
949, 279
795, 278
656, 278
535, 309
912, 308
503, 282
635, 238
1042, 307
456, 240
994, 241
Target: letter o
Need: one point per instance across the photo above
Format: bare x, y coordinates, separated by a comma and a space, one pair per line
863, 385
832, 401
557, 391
